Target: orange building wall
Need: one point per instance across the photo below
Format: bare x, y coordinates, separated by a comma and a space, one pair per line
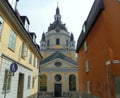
103, 43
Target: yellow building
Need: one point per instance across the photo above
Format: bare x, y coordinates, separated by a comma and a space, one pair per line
19, 50
58, 69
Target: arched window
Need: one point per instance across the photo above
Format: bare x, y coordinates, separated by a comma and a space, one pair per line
43, 83
57, 41
72, 82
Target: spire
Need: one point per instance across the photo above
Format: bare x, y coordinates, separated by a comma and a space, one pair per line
57, 10
57, 15
43, 37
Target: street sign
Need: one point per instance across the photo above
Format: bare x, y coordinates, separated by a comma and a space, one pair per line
13, 67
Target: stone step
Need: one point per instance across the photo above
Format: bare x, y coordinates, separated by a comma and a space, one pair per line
60, 97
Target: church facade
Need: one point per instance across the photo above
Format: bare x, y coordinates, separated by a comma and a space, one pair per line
58, 69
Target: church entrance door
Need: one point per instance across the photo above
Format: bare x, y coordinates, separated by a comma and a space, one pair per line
58, 90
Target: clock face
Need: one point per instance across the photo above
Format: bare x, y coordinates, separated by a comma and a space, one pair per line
57, 30
58, 64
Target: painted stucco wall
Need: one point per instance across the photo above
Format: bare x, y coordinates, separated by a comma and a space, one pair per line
102, 46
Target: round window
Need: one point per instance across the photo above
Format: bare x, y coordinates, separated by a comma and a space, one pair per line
58, 78
58, 64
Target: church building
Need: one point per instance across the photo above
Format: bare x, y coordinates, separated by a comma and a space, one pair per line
58, 69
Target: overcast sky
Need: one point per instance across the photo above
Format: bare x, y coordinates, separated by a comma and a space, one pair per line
41, 14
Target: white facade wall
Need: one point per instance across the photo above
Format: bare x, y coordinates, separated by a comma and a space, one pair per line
14, 80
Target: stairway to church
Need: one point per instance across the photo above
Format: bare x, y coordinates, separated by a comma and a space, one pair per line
60, 97
54, 97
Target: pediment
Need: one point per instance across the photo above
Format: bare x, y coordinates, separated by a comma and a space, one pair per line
58, 63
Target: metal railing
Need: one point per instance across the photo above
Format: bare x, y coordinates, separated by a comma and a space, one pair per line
74, 94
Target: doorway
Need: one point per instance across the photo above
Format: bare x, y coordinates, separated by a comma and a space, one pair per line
20, 85
117, 86
58, 90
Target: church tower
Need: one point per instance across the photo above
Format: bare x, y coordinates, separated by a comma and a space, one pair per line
57, 38
58, 69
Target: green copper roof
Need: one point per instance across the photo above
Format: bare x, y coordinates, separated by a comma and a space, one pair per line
59, 55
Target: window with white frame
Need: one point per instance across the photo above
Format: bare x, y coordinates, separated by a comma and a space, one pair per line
30, 58
1, 25
12, 40
86, 66
24, 50
12, 3
85, 46
88, 87
29, 82
7, 81
34, 39
84, 28
26, 25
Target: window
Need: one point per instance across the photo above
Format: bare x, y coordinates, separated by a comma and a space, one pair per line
58, 78
30, 58
72, 82
43, 83
24, 50
12, 40
26, 25
57, 41
42, 45
7, 81
88, 87
66, 42
34, 39
34, 61
85, 46
73, 45
29, 81
1, 25
86, 66
84, 28
58, 64
33, 82
48, 42
12, 3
